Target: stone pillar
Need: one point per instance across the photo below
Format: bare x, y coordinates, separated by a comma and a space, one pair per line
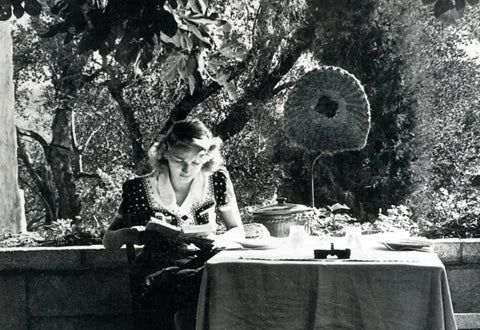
12, 215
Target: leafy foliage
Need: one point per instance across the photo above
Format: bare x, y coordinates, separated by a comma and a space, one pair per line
60, 233
444, 195
410, 66
187, 36
395, 219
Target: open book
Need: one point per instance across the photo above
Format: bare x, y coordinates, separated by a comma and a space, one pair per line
164, 227
189, 234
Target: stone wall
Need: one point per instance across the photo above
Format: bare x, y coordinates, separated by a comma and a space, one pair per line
64, 288
462, 261
87, 287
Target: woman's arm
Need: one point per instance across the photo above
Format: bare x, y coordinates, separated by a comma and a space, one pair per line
115, 238
227, 205
233, 222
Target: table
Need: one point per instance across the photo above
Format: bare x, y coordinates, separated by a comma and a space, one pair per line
381, 290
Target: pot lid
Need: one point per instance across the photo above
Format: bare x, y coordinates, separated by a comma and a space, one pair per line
281, 208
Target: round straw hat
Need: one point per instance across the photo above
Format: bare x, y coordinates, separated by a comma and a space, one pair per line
328, 111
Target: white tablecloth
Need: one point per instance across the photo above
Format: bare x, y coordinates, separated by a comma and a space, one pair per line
382, 290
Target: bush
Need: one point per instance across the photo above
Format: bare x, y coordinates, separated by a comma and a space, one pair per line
59, 233
454, 214
333, 223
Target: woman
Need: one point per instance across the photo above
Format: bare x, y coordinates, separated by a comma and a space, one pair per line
187, 188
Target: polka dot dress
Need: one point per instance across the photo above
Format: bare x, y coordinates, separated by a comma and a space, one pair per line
220, 188
136, 204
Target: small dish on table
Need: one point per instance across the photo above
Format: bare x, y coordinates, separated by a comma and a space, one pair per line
408, 244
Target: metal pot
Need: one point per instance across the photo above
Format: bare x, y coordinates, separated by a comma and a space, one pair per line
279, 217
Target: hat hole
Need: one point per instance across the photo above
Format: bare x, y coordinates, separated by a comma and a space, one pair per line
326, 106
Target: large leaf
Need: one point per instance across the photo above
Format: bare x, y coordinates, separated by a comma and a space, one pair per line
198, 6
234, 49
171, 66
167, 23
187, 43
144, 57
194, 29
226, 26
451, 16
191, 84
174, 40
202, 19
442, 6
221, 77
190, 65
32, 7
203, 4
231, 89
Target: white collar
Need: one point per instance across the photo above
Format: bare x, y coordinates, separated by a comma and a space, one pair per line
163, 195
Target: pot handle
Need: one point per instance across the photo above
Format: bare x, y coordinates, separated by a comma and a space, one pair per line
281, 200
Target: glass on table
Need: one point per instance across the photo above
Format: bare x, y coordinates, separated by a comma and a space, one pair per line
353, 239
297, 236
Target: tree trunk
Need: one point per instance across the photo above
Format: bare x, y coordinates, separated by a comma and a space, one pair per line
138, 152
60, 158
12, 214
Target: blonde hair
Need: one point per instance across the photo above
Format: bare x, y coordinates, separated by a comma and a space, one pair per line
187, 133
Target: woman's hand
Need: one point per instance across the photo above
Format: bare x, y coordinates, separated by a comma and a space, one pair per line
134, 235
114, 239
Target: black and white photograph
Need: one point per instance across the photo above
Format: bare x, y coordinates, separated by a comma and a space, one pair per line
239, 164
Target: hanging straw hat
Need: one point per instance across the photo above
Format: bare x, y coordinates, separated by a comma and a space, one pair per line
328, 111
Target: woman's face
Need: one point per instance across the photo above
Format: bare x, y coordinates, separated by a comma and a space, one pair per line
185, 162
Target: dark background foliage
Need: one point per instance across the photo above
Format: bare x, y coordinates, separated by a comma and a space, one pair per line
106, 113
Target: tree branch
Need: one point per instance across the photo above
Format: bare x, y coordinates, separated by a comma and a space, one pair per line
87, 142
27, 161
87, 175
48, 209
254, 27
281, 87
75, 146
241, 112
183, 108
34, 135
